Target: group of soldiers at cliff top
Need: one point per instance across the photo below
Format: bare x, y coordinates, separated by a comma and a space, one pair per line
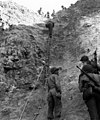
48, 15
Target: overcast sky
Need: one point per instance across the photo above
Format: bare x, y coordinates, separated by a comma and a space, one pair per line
47, 5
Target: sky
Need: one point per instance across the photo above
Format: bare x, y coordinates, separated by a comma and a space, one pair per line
47, 5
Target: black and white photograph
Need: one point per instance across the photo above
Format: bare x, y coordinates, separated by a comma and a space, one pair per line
49, 59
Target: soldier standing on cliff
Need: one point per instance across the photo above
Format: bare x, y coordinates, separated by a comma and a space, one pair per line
54, 94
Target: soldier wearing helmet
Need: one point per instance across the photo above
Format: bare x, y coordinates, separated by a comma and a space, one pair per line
90, 91
54, 94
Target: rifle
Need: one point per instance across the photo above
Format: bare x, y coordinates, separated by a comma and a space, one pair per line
88, 76
95, 60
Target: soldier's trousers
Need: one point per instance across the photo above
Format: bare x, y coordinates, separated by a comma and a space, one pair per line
93, 105
54, 106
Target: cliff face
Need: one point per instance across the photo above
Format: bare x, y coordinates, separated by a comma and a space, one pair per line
16, 14
77, 32
78, 28
20, 40
89, 30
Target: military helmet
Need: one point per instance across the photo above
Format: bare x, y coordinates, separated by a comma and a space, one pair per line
84, 58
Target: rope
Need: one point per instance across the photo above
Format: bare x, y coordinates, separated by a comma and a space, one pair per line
50, 26
28, 98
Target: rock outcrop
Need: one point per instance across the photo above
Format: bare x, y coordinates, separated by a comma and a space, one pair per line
13, 13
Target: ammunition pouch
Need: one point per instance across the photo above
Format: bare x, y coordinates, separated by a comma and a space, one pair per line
53, 92
58, 95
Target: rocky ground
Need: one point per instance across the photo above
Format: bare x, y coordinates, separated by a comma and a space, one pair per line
12, 104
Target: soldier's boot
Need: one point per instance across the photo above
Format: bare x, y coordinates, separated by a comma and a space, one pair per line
58, 108
50, 115
50, 119
97, 97
92, 108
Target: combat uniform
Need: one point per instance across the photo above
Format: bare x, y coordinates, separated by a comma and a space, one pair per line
89, 89
54, 97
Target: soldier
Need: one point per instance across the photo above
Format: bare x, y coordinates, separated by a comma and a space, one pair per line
54, 94
40, 11
91, 91
63, 8
53, 13
91, 64
48, 15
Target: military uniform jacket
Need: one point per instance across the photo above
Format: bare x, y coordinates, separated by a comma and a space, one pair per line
84, 79
53, 83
